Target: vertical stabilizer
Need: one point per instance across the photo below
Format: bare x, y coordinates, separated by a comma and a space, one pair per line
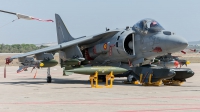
63, 34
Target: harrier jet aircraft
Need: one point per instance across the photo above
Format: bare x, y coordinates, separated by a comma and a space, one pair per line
130, 48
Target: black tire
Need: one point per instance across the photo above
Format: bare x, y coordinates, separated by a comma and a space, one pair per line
49, 79
132, 79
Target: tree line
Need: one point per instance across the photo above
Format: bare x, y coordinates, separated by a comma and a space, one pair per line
19, 48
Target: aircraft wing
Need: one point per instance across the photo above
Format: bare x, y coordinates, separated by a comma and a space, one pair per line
83, 40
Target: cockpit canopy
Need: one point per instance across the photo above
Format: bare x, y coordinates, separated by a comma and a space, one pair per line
147, 26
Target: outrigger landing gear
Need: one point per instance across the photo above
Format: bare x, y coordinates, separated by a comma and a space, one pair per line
173, 82
48, 75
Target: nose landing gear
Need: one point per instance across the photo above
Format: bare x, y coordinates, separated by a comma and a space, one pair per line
48, 75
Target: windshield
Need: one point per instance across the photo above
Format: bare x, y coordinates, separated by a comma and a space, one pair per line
147, 26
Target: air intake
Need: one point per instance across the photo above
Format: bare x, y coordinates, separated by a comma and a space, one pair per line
128, 44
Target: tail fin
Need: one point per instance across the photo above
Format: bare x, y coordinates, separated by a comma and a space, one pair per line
63, 34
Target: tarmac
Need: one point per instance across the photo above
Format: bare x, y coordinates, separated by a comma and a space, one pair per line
20, 92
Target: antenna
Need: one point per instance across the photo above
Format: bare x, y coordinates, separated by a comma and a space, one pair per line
107, 29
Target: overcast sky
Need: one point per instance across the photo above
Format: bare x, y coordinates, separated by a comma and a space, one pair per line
88, 17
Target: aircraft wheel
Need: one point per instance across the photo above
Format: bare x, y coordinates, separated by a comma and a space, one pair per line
130, 78
49, 79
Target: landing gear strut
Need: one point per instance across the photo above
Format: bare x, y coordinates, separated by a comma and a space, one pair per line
48, 75
131, 79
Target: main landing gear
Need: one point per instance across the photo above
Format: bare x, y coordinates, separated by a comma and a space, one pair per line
48, 75
131, 80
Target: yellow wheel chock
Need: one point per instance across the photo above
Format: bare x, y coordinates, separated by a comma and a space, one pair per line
111, 77
172, 82
94, 78
133, 82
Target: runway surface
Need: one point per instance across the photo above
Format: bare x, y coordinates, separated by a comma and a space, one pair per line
20, 92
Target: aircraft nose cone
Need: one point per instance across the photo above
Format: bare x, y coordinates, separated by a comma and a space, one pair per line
176, 43
180, 42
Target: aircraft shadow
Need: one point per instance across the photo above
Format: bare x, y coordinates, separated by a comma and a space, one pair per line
42, 81
30, 82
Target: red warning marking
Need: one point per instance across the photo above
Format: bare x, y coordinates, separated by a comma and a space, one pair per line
157, 49
87, 56
183, 52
